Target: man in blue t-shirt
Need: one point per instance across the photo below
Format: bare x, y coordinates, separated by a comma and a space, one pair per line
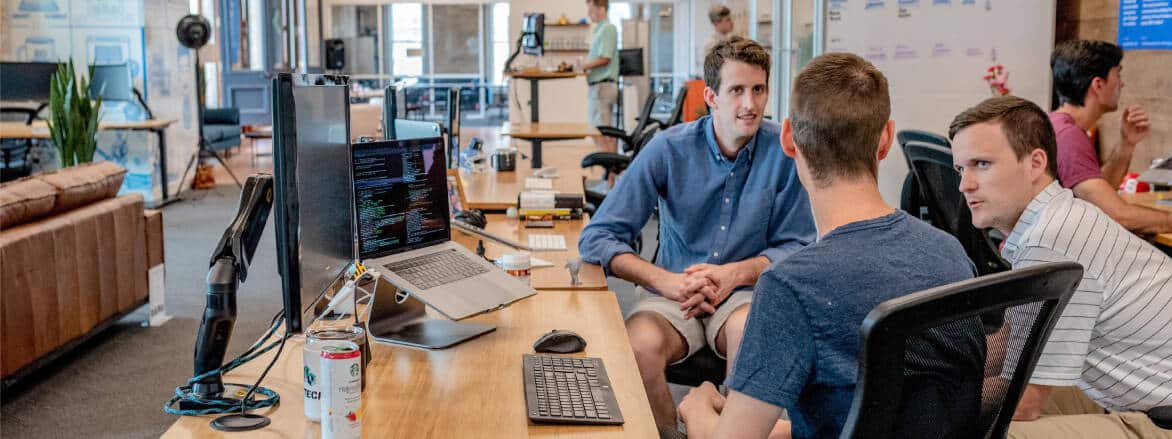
801, 341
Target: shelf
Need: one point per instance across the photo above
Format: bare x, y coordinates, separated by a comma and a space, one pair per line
567, 25
567, 50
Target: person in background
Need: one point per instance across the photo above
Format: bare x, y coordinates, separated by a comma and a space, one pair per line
602, 72
722, 23
1088, 81
730, 204
1113, 341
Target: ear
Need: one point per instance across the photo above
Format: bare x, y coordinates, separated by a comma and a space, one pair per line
885, 139
710, 97
1039, 163
1097, 85
787, 140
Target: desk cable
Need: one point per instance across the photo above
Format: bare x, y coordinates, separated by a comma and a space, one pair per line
225, 406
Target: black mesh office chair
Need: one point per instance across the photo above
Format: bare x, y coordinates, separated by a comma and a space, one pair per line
903, 336
909, 199
14, 153
939, 185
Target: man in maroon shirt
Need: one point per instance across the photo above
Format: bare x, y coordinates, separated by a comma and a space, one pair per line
1088, 83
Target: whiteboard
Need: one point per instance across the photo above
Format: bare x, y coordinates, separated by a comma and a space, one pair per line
935, 52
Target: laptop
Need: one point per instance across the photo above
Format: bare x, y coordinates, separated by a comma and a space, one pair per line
404, 229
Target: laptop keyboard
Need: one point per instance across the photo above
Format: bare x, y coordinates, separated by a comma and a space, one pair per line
435, 269
569, 390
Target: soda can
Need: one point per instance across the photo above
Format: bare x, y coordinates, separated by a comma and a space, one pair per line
341, 389
354, 333
311, 355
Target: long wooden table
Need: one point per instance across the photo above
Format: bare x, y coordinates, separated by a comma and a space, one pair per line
550, 278
537, 132
1151, 199
473, 389
497, 190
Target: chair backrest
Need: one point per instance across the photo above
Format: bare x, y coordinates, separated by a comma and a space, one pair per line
910, 365
645, 114
677, 109
638, 141
939, 185
905, 136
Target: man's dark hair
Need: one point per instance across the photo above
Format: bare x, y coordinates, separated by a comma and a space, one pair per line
717, 13
1076, 63
604, 4
735, 48
1024, 124
838, 109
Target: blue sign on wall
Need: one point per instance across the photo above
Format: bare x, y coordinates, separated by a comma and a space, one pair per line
1145, 24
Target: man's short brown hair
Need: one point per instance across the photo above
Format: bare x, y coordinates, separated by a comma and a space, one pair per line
604, 4
736, 49
838, 109
717, 13
1024, 124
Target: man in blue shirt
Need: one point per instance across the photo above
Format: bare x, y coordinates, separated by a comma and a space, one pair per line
801, 343
729, 205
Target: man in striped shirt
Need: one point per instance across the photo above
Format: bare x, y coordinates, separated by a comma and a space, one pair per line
1114, 339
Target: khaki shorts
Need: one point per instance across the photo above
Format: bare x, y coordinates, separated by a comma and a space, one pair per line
698, 331
1071, 414
600, 102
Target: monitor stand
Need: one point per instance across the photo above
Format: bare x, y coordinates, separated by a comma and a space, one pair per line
399, 318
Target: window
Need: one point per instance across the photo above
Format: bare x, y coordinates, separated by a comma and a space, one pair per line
500, 41
407, 39
616, 14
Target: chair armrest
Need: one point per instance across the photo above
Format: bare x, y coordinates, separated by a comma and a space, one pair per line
612, 162
221, 116
613, 132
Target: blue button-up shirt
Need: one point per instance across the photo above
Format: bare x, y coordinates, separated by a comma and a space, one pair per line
711, 210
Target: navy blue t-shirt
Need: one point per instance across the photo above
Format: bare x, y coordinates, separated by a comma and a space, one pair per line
801, 343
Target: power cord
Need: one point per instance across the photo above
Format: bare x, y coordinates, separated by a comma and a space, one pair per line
226, 406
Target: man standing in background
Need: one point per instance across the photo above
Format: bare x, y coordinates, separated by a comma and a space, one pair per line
602, 67
722, 24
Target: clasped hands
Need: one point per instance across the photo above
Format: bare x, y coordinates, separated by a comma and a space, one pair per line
701, 287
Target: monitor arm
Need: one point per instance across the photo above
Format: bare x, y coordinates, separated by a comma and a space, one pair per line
229, 268
517, 50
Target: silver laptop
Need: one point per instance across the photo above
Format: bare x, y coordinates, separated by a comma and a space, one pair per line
404, 230
1159, 173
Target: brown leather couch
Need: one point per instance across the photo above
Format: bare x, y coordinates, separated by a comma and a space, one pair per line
73, 260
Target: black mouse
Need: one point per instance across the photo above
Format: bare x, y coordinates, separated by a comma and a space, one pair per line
559, 342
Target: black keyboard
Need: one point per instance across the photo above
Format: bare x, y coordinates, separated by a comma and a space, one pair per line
569, 390
435, 269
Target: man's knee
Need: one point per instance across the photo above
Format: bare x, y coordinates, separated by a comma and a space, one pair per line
729, 337
650, 339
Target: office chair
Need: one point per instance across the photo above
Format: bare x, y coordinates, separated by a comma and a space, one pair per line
627, 140
14, 153
939, 185
909, 199
902, 335
112, 82
677, 110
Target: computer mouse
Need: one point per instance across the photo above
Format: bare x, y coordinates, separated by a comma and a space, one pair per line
559, 341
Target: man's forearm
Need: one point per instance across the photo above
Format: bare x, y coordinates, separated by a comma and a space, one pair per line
1117, 163
632, 268
595, 63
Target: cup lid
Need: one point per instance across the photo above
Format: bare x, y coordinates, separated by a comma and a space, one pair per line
514, 261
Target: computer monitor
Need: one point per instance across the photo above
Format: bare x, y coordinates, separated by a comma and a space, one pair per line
631, 62
112, 82
26, 81
533, 34
311, 147
394, 106
454, 102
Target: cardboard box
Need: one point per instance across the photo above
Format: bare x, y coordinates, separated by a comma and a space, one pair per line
154, 237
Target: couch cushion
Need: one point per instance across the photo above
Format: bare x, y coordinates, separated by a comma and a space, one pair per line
84, 184
25, 200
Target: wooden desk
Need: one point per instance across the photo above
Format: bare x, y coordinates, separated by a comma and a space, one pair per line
473, 389
549, 278
496, 191
538, 132
1148, 199
40, 130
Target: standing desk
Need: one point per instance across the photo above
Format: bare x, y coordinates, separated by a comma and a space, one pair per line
473, 389
1149, 199
549, 278
535, 76
40, 130
538, 132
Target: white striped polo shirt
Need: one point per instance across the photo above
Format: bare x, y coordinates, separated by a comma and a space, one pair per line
1114, 339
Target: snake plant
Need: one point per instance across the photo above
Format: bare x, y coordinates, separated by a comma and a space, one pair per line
73, 119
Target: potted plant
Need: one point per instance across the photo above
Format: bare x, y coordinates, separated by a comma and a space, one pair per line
73, 118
